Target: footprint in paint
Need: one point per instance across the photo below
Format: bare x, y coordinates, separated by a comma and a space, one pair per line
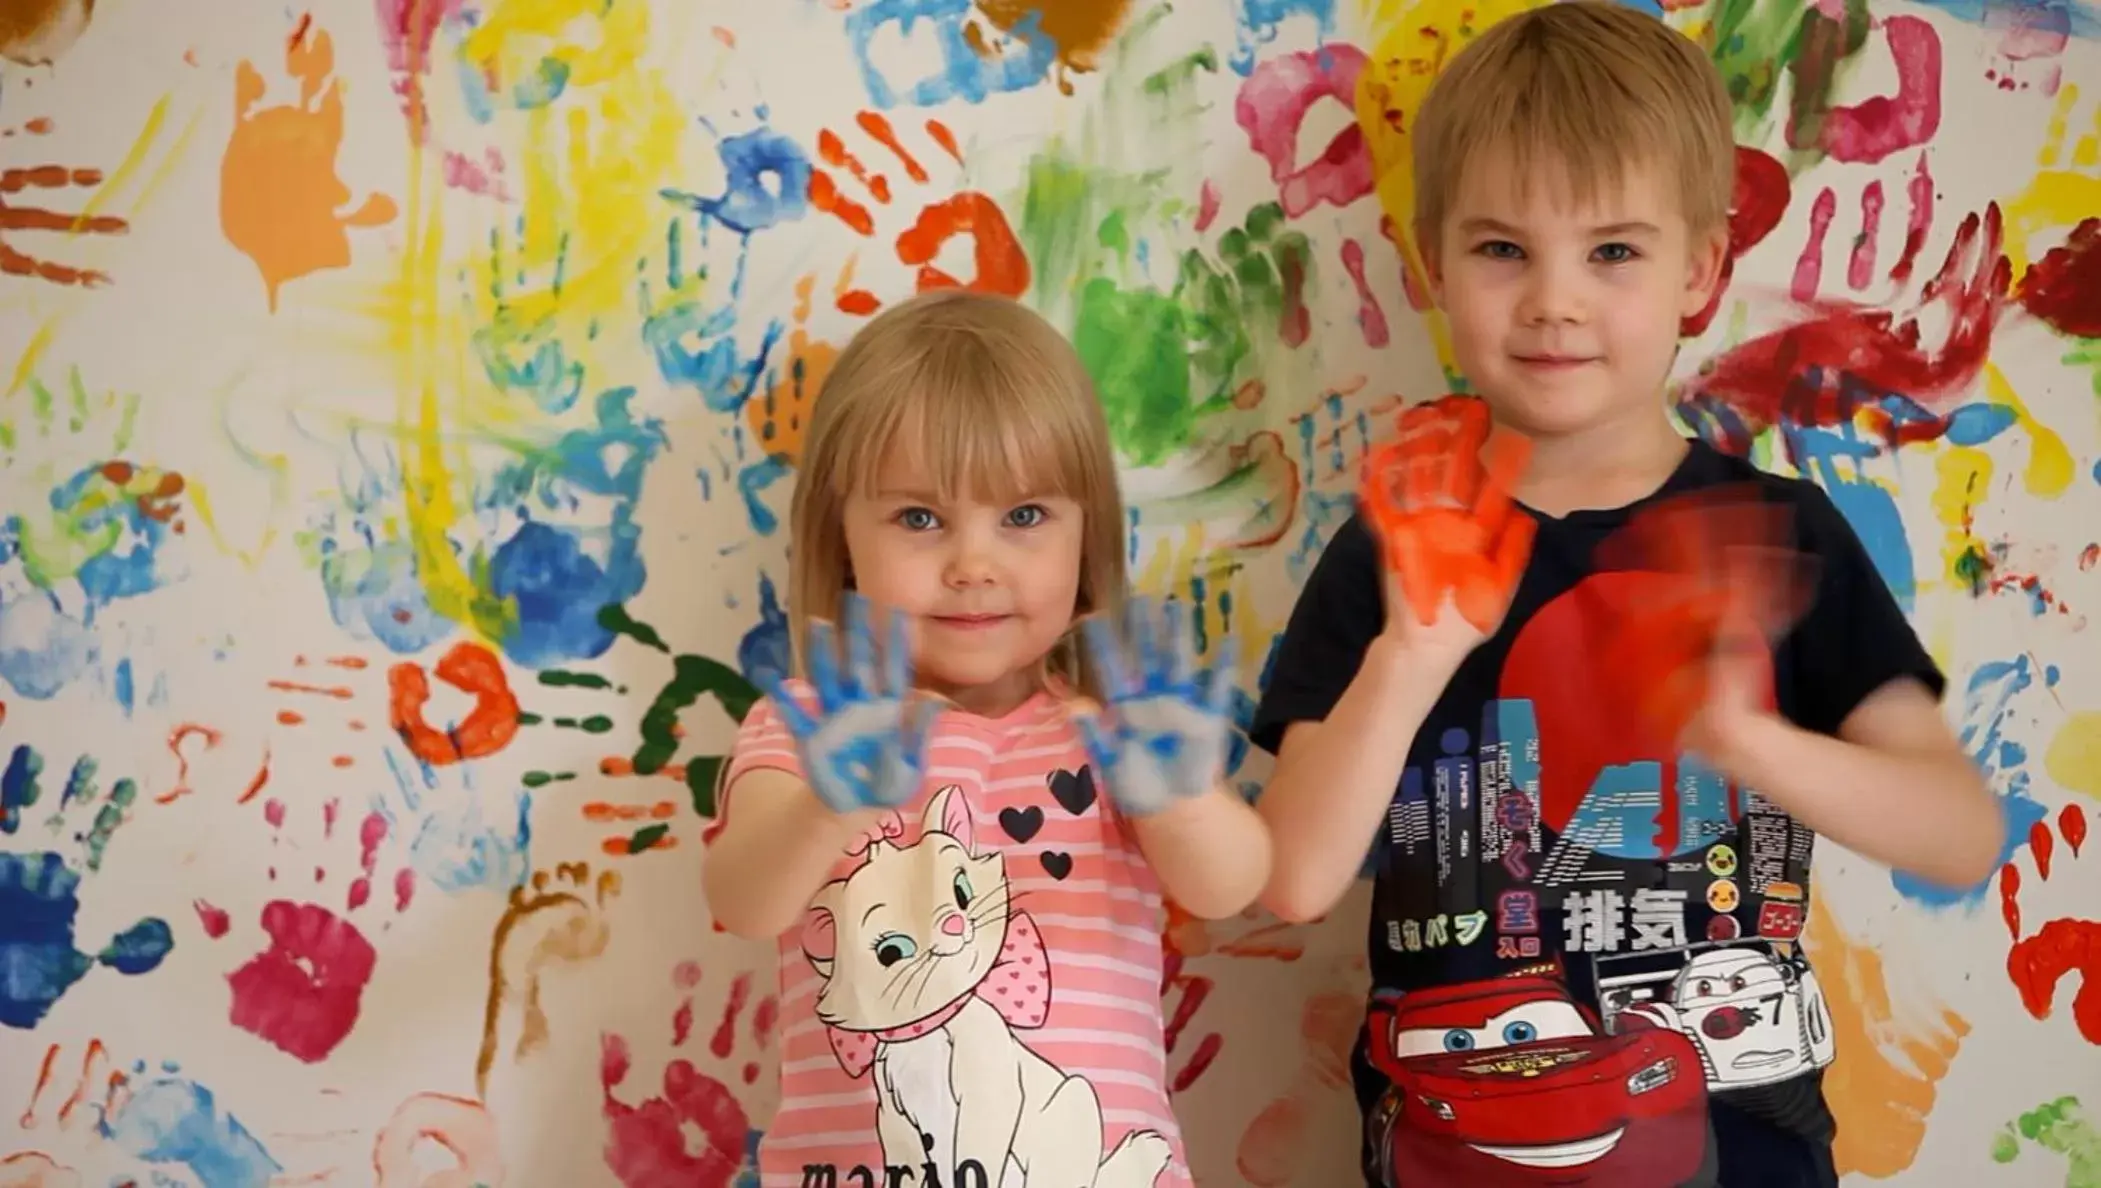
696, 1133
303, 991
2059, 1126
559, 920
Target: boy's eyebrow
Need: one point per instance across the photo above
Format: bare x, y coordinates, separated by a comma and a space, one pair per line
1497, 227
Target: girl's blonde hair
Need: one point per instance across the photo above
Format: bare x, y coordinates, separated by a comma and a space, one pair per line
996, 403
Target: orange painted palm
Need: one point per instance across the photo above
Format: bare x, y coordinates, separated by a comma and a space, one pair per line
1727, 578
1438, 497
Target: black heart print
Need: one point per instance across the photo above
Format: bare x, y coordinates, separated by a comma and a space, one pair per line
1074, 792
1056, 864
1021, 824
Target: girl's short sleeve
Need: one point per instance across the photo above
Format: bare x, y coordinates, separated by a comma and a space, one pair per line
763, 741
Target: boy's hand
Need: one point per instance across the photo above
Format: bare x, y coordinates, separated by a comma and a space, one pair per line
1726, 583
865, 746
1164, 734
1438, 498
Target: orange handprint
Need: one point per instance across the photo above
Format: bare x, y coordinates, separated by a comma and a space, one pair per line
1722, 573
1439, 498
1001, 266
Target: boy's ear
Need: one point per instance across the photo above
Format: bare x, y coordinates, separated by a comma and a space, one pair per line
1708, 253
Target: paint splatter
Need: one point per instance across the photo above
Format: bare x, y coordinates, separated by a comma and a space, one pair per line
2064, 287
281, 203
2060, 948
461, 1128
559, 921
1272, 107
39, 902
171, 1120
974, 64
1081, 29
1874, 128
487, 728
1885, 1089
696, 1134
39, 32
2060, 1127
15, 261
692, 678
302, 994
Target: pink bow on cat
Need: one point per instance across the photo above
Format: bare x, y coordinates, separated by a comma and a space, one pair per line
1017, 986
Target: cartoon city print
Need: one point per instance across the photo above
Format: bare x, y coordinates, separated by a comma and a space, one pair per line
922, 955
1511, 1082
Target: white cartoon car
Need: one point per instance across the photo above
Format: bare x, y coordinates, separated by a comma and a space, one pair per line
1756, 1017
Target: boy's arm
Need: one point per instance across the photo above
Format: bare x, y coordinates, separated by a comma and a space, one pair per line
1211, 853
1340, 708
1868, 760
767, 859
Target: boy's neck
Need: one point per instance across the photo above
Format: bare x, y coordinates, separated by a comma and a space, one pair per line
1608, 465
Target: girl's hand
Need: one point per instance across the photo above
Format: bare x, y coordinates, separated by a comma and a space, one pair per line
866, 745
1455, 545
1164, 734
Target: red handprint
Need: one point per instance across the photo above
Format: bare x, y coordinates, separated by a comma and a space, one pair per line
1721, 572
1439, 498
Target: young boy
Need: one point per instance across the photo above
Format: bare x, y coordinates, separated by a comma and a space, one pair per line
1583, 931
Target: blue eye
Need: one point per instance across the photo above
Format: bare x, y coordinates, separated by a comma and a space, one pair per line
1500, 249
918, 519
1519, 1032
1458, 1039
893, 947
1028, 515
1615, 253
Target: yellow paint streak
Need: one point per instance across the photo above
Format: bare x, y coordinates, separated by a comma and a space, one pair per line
1882, 1086
119, 177
2074, 757
31, 356
591, 170
2061, 193
1412, 40
1963, 474
2049, 462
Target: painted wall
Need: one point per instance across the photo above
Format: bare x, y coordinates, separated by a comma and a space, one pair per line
401, 401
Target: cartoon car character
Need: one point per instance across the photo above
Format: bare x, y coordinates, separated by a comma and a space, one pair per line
1508, 1081
1756, 1017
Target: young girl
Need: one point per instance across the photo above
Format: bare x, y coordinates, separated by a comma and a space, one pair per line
959, 831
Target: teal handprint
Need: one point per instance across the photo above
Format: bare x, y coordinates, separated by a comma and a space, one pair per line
1164, 734
865, 745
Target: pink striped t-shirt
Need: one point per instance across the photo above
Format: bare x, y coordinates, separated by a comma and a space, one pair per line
978, 983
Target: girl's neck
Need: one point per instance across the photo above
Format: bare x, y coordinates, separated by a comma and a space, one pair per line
997, 699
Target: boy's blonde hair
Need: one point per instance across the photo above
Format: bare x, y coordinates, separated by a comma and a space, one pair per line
1591, 86
994, 401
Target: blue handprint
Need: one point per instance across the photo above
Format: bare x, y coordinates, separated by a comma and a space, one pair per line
40, 900
866, 744
1164, 733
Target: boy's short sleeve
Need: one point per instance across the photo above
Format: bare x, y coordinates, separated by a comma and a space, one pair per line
1854, 638
763, 741
1339, 613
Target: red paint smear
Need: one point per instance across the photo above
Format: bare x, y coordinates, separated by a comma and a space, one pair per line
489, 726
404, 888
1920, 191
1809, 266
370, 833
682, 1023
2089, 557
833, 152
724, 1041
360, 892
824, 195
1860, 267
2038, 964
214, 920
1199, 1060
1826, 371
262, 776
945, 138
1002, 266
647, 1146
1755, 208
2010, 899
2040, 842
274, 812
1370, 318
1206, 205
1272, 107
302, 993
2072, 823
2064, 287
879, 130
1868, 131
299, 32
764, 1017
176, 738
1194, 991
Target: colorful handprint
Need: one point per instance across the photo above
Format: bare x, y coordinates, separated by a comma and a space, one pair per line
1163, 734
1438, 496
1719, 572
864, 746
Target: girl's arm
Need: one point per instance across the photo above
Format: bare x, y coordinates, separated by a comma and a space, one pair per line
767, 860
1210, 852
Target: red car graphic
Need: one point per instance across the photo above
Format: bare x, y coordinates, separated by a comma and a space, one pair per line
1508, 1082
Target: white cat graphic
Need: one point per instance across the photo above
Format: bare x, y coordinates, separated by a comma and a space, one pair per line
926, 975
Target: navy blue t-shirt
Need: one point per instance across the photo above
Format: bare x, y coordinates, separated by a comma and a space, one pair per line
1584, 946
